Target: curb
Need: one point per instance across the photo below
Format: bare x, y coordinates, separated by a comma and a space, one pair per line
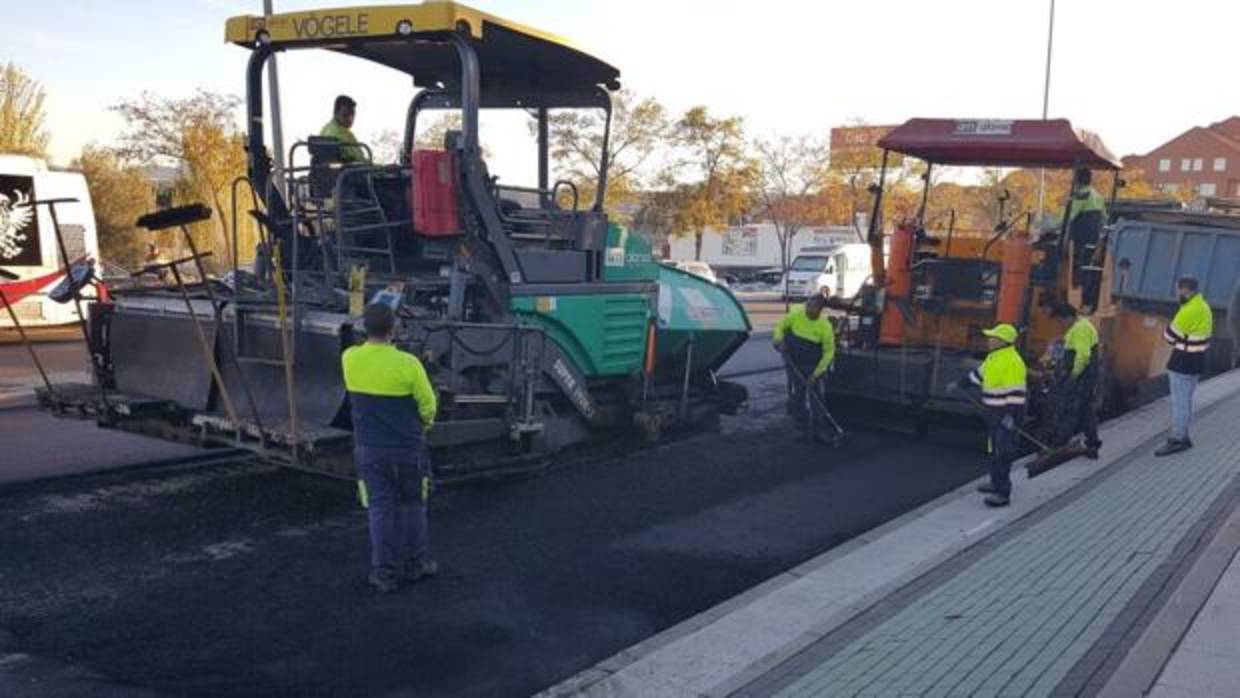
1144, 663
727, 647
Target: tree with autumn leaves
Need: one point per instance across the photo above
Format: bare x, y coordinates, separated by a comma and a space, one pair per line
23, 118
197, 135
718, 177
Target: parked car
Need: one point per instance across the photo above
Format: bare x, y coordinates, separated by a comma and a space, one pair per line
701, 269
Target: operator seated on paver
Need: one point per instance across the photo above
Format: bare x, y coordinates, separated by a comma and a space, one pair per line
806, 339
1002, 380
1189, 335
341, 128
393, 405
1081, 357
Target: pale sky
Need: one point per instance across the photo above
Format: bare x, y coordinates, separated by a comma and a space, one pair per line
1137, 72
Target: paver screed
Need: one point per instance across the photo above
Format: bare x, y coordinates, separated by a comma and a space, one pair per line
1016, 621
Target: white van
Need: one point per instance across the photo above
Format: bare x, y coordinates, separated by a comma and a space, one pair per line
28, 246
840, 270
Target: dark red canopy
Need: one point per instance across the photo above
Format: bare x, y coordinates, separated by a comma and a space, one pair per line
1000, 143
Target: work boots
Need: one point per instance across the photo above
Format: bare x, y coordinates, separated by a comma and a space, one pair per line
996, 500
422, 569
1174, 446
384, 583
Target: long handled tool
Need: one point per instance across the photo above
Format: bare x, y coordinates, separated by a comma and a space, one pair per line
1016, 428
840, 434
182, 217
6, 275
208, 354
1047, 457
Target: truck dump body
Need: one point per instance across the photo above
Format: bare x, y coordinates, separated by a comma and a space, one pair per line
1150, 252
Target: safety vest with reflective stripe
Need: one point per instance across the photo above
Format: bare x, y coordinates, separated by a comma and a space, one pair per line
1189, 335
1002, 378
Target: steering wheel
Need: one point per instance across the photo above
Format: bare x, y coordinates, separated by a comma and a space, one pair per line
555, 193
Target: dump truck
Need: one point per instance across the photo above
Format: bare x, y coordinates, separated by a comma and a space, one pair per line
542, 323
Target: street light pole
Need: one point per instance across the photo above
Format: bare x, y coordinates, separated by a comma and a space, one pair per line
1046, 98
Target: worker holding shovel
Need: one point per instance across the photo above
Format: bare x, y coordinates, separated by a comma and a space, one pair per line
1002, 380
807, 341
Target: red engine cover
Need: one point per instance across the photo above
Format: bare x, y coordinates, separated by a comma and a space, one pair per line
435, 183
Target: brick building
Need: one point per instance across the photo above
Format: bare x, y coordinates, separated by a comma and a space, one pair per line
1204, 158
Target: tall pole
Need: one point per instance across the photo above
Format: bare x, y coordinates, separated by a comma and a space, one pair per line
1046, 100
277, 131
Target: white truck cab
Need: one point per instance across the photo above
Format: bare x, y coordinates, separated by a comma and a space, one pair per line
839, 270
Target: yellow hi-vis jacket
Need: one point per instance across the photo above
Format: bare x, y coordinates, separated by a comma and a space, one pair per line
1189, 336
1084, 201
813, 332
350, 151
1002, 378
1081, 339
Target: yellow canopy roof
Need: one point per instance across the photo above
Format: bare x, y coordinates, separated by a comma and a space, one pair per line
395, 36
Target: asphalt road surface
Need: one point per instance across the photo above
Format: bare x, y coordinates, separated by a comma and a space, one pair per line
56, 357
248, 580
37, 445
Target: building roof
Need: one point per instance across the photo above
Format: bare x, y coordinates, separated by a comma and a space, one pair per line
1226, 133
1229, 127
411, 39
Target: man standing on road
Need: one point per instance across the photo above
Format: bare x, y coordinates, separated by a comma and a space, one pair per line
1189, 336
341, 128
393, 404
1002, 380
1080, 345
807, 341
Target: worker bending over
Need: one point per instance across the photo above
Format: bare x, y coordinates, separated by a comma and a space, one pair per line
393, 405
807, 341
1080, 345
1189, 336
341, 128
1002, 380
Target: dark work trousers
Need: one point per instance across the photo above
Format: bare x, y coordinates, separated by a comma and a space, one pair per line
1084, 392
801, 357
397, 485
1002, 449
804, 407
1081, 414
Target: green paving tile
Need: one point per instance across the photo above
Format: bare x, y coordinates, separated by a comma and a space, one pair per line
1021, 616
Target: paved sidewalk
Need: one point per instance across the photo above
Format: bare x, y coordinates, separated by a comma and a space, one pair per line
1035, 614
1207, 662
1044, 598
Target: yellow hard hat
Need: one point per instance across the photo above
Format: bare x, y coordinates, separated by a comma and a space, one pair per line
1002, 331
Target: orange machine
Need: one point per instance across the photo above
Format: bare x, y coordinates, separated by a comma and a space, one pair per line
936, 290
